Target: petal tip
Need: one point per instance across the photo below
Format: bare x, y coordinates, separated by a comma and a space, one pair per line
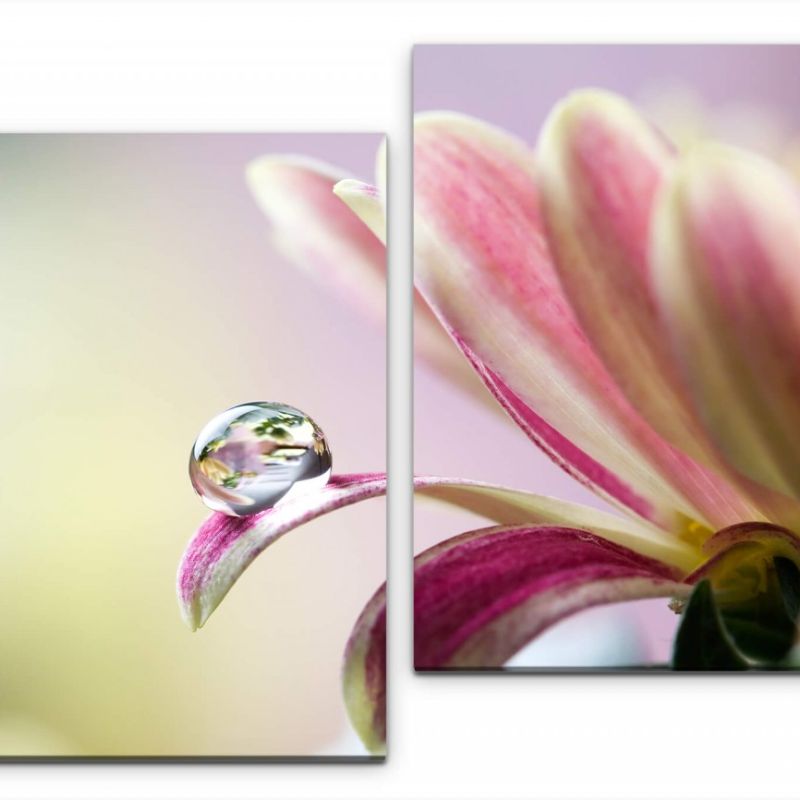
349, 189
365, 202
364, 675
271, 177
188, 606
193, 616
453, 122
259, 171
708, 162
277, 162
577, 104
590, 98
712, 175
596, 109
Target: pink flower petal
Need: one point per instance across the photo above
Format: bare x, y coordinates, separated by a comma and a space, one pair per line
334, 227
726, 250
483, 264
600, 166
564, 453
480, 597
224, 546
749, 532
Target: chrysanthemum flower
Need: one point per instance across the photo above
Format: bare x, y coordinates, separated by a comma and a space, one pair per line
636, 312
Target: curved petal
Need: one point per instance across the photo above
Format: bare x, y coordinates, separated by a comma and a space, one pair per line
750, 532
365, 202
481, 596
726, 248
364, 674
483, 264
315, 230
513, 507
740, 556
224, 546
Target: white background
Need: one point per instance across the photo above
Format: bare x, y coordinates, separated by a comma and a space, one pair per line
346, 65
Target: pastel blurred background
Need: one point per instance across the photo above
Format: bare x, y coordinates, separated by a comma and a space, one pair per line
746, 95
140, 296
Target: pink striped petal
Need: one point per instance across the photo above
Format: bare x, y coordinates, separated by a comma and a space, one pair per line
727, 248
483, 264
750, 532
224, 546
480, 597
600, 166
568, 456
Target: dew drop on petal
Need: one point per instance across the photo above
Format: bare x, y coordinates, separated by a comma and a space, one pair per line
254, 455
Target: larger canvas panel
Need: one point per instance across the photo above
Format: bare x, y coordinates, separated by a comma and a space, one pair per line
606, 254
150, 282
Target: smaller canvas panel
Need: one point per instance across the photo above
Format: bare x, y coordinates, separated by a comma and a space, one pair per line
168, 293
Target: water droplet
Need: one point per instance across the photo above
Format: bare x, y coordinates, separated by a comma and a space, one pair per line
254, 455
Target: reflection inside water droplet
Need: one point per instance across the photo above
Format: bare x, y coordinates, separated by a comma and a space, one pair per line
253, 455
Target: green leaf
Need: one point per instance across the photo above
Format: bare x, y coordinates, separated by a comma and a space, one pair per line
764, 628
761, 635
789, 582
702, 643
